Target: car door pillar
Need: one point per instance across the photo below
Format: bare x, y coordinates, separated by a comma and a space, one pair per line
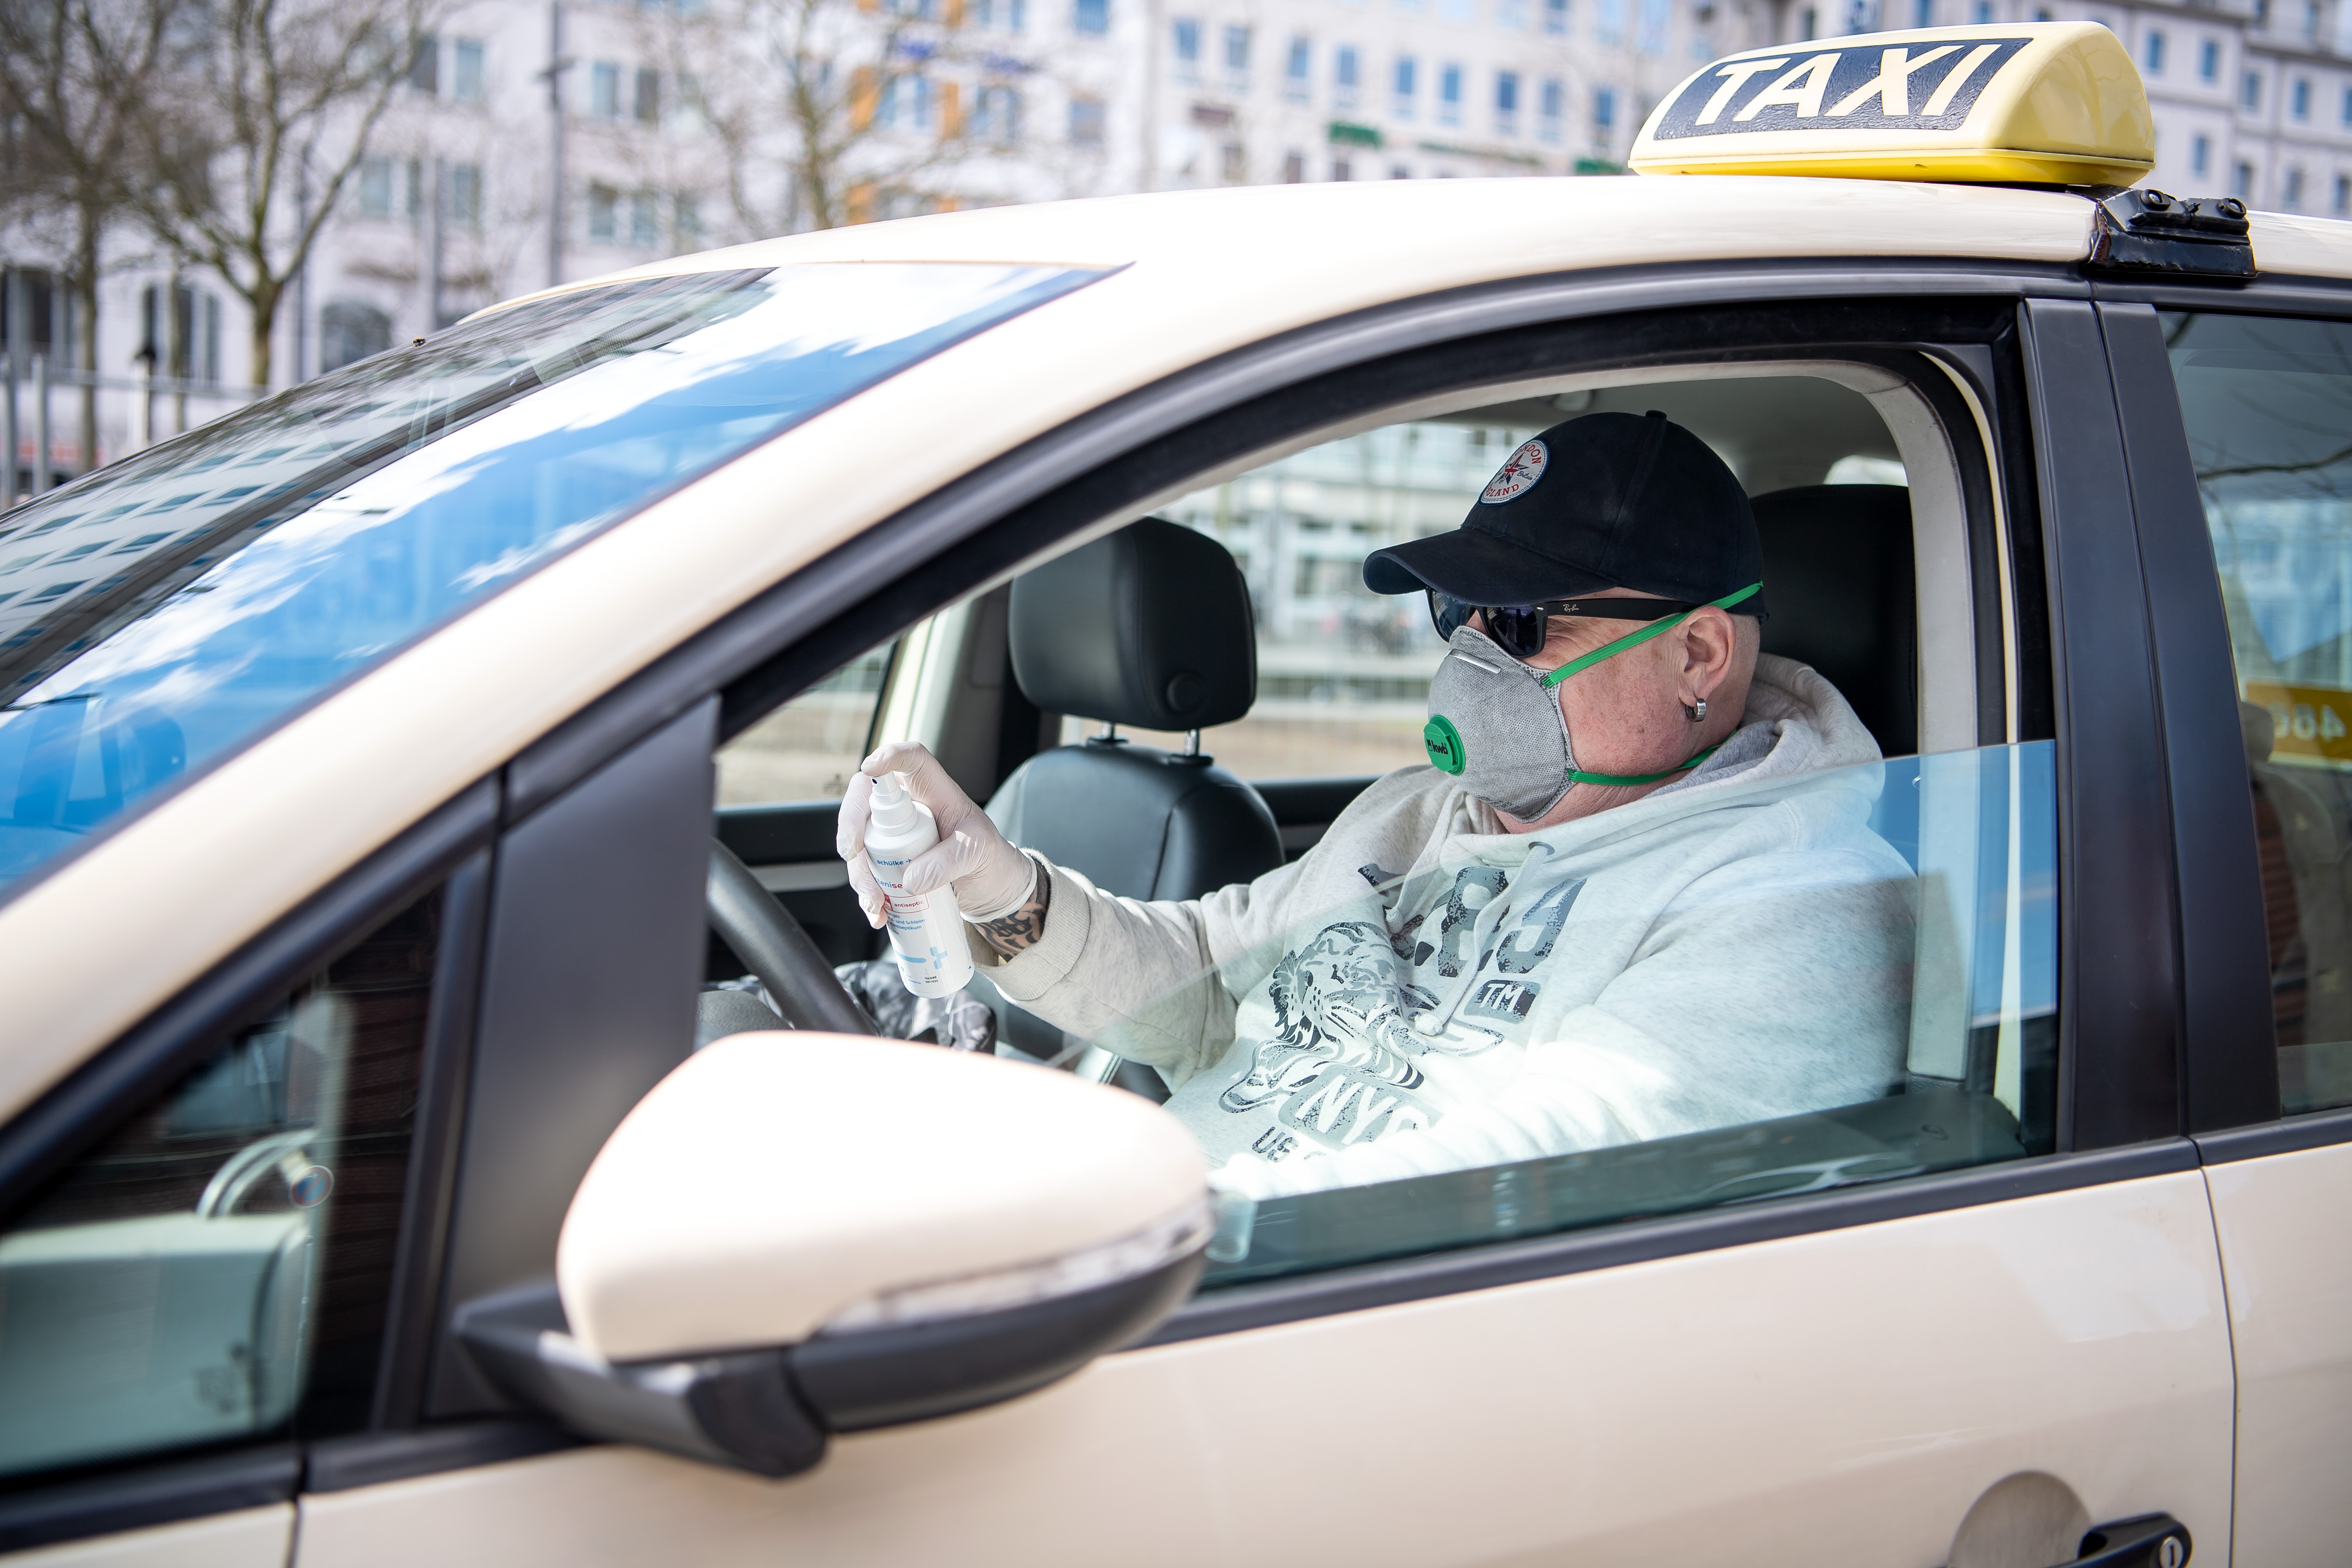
2228, 1060
2119, 1035
595, 948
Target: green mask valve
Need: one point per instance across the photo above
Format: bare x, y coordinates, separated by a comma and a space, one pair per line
1444, 745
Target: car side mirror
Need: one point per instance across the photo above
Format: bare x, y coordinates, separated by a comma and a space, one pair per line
798, 1234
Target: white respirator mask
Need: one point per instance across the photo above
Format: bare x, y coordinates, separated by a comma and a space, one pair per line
1498, 725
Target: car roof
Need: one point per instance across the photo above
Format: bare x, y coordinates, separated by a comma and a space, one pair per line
1189, 276
1370, 242
1373, 241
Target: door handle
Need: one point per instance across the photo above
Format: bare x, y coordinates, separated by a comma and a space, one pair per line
2151, 1540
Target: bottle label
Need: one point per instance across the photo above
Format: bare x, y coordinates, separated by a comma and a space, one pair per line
926, 966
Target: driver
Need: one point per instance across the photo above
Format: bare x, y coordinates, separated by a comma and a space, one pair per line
1624, 901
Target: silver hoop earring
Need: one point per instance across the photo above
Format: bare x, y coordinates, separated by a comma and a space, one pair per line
1697, 710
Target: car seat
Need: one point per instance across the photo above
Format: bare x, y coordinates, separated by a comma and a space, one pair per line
1149, 627
1838, 577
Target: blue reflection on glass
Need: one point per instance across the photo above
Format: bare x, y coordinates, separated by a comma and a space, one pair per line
1982, 829
341, 586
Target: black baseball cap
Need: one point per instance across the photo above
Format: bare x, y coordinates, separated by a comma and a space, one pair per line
1607, 500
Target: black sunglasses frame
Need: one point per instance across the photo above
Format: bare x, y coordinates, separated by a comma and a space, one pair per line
1520, 630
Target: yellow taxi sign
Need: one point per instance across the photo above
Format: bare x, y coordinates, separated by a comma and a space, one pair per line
2038, 103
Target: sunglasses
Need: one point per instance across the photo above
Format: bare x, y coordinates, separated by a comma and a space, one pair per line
1520, 630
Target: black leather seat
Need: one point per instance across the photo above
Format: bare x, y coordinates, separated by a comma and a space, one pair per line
1839, 578
1149, 627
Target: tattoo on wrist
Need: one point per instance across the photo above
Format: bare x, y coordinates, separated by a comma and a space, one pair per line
1008, 934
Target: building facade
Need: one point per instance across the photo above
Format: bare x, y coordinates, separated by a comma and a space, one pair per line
533, 142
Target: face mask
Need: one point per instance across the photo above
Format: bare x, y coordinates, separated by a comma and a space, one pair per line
1498, 725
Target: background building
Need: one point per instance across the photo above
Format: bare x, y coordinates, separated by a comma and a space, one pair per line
527, 142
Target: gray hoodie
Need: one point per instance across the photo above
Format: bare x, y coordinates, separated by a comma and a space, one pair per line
1424, 992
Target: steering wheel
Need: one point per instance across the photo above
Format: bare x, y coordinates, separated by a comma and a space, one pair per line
761, 932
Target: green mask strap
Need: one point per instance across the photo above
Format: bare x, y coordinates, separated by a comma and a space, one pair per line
1620, 646
1656, 628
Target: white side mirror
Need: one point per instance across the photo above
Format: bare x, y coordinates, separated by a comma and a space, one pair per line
799, 1234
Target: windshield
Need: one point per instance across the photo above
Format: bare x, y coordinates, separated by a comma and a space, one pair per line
167, 611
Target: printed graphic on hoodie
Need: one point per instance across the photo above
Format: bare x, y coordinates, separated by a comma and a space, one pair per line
1357, 1007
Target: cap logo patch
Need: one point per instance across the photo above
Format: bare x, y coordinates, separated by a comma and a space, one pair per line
1517, 475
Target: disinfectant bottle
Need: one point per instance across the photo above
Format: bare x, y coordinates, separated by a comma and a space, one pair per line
926, 931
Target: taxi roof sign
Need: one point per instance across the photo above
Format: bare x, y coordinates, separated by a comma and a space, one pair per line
2056, 103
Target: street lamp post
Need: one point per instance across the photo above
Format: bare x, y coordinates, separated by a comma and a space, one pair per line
556, 65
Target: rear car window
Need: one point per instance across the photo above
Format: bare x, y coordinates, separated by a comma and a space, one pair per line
2267, 404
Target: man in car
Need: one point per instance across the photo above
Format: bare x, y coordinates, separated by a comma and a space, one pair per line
1628, 899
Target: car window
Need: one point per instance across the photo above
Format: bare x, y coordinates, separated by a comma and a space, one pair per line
1343, 673
195, 597
807, 749
2268, 407
1825, 959
1709, 996
218, 1266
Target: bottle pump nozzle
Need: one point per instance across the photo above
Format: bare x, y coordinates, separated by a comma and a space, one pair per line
893, 810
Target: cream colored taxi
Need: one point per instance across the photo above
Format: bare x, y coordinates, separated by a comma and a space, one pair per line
433, 1129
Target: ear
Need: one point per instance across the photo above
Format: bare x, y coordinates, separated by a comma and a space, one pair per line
1709, 643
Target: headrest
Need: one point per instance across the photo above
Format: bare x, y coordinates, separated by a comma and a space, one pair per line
1838, 574
1149, 627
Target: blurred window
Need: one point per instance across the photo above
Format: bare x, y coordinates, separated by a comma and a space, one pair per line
1555, 16
1296, 69
217, 1269
424, 66
1188, 47
1087, 121
647, 102
185, 336
349, 331
2155, 51
466, 70
374, 187
999, 117
807, 749
1091, 17
463, 205
644, 220
604, 213
605, 90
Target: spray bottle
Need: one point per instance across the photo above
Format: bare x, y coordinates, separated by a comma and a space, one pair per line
926, 930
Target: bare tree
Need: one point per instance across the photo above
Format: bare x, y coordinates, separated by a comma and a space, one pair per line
280, 91
76, 78
844, 112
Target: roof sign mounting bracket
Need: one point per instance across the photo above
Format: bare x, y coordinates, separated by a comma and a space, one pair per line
2149, 231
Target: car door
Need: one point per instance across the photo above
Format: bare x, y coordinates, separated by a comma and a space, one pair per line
2244, 412
1986, 1311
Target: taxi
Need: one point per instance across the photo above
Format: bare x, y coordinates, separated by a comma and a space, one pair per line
398, 1164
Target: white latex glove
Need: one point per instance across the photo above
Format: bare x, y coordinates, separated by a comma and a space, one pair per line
991, 877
